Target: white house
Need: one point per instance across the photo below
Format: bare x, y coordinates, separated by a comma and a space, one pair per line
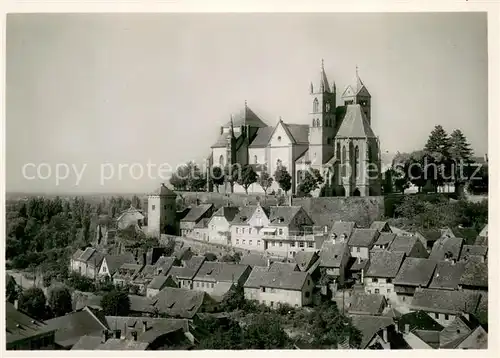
219, 225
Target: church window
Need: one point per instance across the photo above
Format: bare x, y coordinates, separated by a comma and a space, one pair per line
221, 160
315, 105
344, 157
317, 122
328, 107
314, 122
255, 159
356, 162
153, 207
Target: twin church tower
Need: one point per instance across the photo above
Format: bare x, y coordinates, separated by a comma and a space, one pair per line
338, 140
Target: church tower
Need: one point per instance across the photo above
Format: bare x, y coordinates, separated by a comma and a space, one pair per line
321, 120
358, 94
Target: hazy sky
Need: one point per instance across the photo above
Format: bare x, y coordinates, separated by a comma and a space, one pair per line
125, 88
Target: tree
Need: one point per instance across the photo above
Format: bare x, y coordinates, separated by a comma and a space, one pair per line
460, 153
116, 303
209, 256
246, 177
233, 300
283, 178
311, 181
217, 178
263, 333
438, 142
231, 174
265, 181
437, 153
179, 179
32, 301
11, 290
60, 300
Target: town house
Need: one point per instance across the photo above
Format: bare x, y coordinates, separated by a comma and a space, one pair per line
384, 240
279, 287
195, 215
383, 268
126, 274
444, 306
342, 230
130, 217
184, 274
216, 278
247, 228
361, 242
86, 263
410, 245
414, 273
219, 225
334, 258
111, 264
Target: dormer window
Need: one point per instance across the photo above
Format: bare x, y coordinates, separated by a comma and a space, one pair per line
279, 138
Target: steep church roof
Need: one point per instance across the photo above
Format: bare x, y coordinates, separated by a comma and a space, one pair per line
324, 86
246, 117
356, 87
355, 124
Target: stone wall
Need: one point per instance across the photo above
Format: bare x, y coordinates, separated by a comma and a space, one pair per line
325, 211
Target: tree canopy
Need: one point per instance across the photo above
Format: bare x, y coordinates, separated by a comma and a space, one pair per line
116, 303
33, 301
283, 178
60, 300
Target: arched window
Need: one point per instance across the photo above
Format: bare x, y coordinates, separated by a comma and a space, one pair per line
255, 159
315, 105
356, 162
328, 107
344, 159
314, 122
317, 122
221, 160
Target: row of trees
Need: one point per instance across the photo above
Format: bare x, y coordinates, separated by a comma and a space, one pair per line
190, 177
445, 159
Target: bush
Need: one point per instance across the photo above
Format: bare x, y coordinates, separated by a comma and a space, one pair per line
116, 303
60, 301
32, 301
81, 283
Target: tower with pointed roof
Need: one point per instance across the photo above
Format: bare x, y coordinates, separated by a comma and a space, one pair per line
357, 93
321, 120
161, 212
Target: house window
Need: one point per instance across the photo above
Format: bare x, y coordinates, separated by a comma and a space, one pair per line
388, 290
292, 244
301, 244
263, 289
281, 244
369, 291
153, 207
249, 242
436, 315
243, 230
272, 303
446, 317
258, 242
213, 285
358, 249
104, 269
389, 280
237, 241
307, 294
374, 279
197, 284
202, 285
243, 241
279, 138
250, 230
377, 290
255, 159
237, 230
273, 243
310, 244
280, 231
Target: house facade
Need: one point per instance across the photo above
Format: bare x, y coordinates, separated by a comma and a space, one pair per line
86, 262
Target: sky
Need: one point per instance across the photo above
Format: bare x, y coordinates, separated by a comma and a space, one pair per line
92, 92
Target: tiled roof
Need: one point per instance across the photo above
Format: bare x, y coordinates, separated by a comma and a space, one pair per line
363, 237
254, 260
430, 234
473, 250
406, 244
418, 320
299, 132
221, 141
340, 228
331, 254
81, 300
179, 302
444, 246
220, 271
87, 343
19, 326
355, 124
378, 225
114, 344
246, 117
114, 262
283, 267
481, 240
415, 272
131, 211
385, 238
442, 301
262, 138
369, 326
157, 282
261, 277
197, 212
165, 263
202, 224
244, 214
359, 264
228, 212
363, 303
384, 264
305, 259
71, 327
447, 275
165, 191
475, 274
189, 270
282, 215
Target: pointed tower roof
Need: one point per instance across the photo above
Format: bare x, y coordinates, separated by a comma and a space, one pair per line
323, 85
356, 87
355, 124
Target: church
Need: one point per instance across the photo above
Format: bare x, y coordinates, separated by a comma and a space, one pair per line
338, 141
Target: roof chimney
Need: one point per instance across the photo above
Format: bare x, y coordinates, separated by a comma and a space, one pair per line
144, 326
118, 334
268, 262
